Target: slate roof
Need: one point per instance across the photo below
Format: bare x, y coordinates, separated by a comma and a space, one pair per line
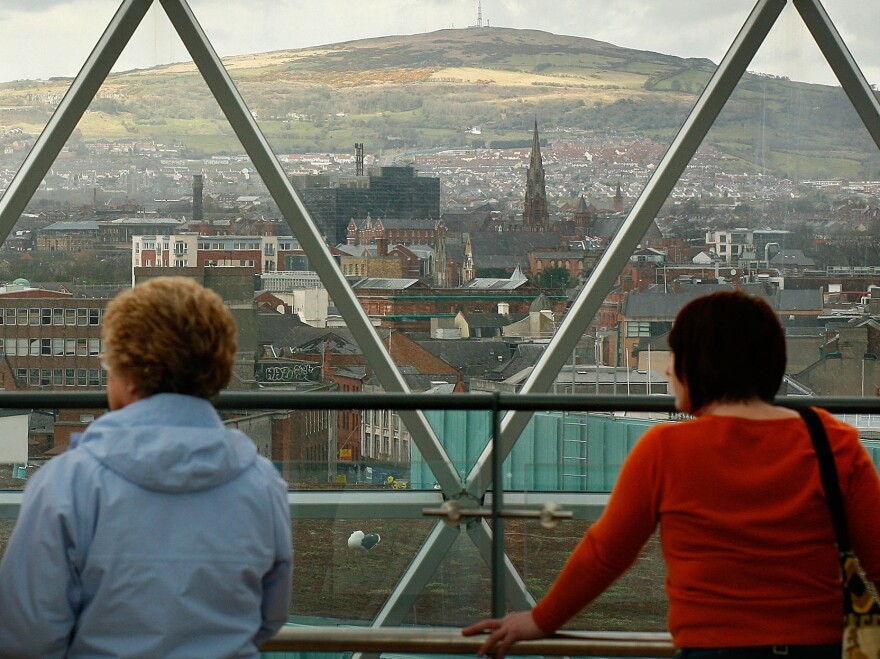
525, 356
146, 221
85, 225
792, 258
386, 283
512, 243
800, 300
285, 331
540, 303
403, 223
655, 304
486, 319
473, 357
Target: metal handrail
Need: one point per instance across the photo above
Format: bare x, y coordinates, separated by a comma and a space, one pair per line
467, 401
435, 640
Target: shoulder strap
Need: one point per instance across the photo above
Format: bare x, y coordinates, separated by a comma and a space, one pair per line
828, 473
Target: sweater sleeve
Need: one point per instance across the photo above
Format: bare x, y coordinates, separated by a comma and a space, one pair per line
613, 543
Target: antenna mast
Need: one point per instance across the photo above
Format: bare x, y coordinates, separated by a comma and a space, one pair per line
479, 13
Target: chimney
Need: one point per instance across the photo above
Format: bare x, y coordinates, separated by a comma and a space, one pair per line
359, 158
197, 198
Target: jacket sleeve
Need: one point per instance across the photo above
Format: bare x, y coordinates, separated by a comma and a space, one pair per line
40, 589
277, 582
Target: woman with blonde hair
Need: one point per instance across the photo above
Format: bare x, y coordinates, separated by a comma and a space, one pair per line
160, 532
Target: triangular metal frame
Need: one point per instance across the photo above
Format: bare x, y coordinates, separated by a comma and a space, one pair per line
712, 100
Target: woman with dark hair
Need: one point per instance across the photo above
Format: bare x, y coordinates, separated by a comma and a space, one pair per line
752, 567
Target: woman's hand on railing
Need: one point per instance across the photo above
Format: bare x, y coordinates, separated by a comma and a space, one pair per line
504, 632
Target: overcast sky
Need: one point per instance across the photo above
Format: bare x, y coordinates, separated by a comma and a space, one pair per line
43, 38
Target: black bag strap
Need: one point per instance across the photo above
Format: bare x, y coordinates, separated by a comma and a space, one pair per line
828, 472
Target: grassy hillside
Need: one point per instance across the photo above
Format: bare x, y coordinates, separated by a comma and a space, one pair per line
425, 90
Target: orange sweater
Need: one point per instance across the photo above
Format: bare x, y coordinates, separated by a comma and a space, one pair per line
745, 529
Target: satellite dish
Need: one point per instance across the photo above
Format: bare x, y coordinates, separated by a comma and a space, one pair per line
732, 272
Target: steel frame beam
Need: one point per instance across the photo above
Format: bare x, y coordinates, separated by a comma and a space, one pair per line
842, 63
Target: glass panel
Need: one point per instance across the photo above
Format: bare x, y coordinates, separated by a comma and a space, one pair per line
337, 580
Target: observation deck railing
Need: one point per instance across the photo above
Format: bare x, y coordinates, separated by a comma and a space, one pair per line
432, 640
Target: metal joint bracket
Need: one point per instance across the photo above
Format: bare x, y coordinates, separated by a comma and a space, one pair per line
452, 513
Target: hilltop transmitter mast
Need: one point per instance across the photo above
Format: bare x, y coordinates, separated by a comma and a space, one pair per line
479, 13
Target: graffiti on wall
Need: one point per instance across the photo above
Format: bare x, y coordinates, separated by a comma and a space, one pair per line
287, 370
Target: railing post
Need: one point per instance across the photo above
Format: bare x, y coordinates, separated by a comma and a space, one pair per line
499, 603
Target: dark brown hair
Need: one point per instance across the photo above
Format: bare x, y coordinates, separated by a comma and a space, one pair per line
171, 335
727, 347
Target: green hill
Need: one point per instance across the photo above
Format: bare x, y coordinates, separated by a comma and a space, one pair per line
425, 90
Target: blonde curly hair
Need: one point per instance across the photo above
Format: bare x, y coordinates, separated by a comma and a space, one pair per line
170, 335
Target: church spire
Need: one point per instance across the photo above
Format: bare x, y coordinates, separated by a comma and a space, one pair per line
535, 215
536, 160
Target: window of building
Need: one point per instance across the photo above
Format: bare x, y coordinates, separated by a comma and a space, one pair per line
46, 317
70, 316
82, 377
94, 316
57, 377
69, 346
94, 377
82, 316
34, 376
179, 263
57, 316
82, 347
94, 347
45, 377
69, 377
46, 347
57, 347
34, 316
22, 316
638, 329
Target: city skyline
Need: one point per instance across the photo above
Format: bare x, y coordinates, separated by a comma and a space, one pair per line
68, 29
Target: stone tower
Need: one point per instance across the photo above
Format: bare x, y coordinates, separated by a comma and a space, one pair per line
535, 216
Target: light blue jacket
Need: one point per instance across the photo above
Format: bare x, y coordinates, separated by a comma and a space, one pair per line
160, 533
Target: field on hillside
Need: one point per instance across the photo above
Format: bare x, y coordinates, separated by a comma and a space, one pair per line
428, 90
